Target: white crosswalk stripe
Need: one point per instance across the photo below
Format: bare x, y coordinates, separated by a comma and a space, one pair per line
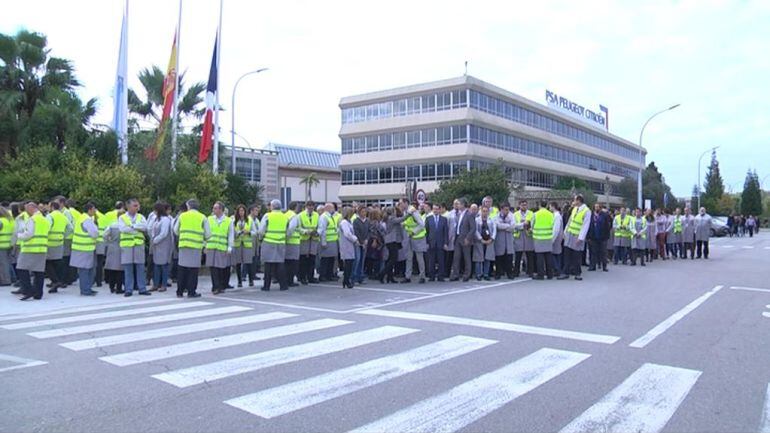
249, 363
304, 393
764, 426
155, 354
132, 337
104, 315
644, 402
140, 321
471, 401
82, 309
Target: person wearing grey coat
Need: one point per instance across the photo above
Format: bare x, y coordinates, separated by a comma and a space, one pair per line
688, 234
416, 248
113, 270
504, 242
348, 242
162, 243
464, 234
85, 261
702, 233
484, 244
132, 223
394, 236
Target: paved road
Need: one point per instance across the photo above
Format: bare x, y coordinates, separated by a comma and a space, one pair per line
679, 346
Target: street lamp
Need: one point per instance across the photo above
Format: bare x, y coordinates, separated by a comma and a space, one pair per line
232, 119
762, 182
699, 160
641, 163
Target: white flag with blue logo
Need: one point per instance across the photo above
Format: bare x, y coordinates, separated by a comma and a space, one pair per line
120, 96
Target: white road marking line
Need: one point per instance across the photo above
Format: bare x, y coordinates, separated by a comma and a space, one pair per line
283, 305
766, 314
111, 340
257, 361
82, 309
663, 326
764, 426
767, 248
23, 362
644, 402
291, 397
750, 289
105, 315
471, 401
501, 326
197, 346
408, 292
140, 321
747, 247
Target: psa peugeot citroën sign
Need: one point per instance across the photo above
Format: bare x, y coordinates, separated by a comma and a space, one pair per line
576, 110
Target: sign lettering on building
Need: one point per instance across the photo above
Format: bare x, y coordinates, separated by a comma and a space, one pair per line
578, 111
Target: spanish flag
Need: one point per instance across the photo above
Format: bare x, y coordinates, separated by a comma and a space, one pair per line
169, 84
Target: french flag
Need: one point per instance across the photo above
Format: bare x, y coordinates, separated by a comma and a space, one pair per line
208, 123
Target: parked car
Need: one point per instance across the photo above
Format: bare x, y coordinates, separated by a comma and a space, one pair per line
719, 227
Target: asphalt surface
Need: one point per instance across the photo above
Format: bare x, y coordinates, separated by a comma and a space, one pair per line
678, 346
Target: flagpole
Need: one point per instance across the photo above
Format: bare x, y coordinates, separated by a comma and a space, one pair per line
175, 111
215, 162
121, 91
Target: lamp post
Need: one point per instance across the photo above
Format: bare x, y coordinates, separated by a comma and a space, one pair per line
762, 182
641, 163
699, 160
232, 114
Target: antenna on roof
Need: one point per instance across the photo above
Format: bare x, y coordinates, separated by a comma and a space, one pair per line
466, 68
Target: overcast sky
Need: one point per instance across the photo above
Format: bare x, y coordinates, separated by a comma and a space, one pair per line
633, 57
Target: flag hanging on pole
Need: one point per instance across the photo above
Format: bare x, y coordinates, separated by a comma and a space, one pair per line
120, 96
168, 93
208, 123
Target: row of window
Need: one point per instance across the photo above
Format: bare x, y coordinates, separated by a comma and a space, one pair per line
447, 170
406, 139
427, 103
249, 168
499, 140
516, 113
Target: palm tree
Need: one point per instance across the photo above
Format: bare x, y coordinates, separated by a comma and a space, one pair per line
309, 181
152, 105
29, 78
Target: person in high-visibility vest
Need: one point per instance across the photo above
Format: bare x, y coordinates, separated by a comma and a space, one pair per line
418, 246
621, 226
327, 230
543, 233
55, 265
575, 238
32, 254
219, 247
243, 249
7, 227
493, 210
522, 239
113, 269
133, 226
638, 237
483, 244
69, 210
191, 230
83, 257
677, 246
308, 245
293, 241
273, 230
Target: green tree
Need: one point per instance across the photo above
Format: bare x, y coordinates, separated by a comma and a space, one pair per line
578, 186
654, 188
474, 185
751, 197
37, 90
151, 107
309, 181
714, 187
239, 191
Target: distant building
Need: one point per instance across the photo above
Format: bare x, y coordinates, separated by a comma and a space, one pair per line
433, 131
281, 168
296, 163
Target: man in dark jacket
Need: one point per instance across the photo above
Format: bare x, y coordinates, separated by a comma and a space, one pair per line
361, 230
438, 241
598, 234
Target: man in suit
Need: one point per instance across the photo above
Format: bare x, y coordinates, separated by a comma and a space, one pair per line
438, 240
465, 232
598, 235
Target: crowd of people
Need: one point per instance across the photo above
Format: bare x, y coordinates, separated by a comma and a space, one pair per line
740, 225
309, 244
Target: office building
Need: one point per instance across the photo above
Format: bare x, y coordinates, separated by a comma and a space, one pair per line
433, 131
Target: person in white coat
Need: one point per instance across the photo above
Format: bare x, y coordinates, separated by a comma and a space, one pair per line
348, 242
504, 242
702, 233
483, 245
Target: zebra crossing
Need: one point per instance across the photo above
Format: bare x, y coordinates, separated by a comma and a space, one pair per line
645, 401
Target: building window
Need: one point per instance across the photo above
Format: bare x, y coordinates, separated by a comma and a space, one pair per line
399, 140
249, 169
399, 174
428, 172
386, 142
371, 143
